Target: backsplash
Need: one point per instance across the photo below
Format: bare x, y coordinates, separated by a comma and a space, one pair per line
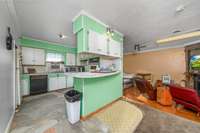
39, 69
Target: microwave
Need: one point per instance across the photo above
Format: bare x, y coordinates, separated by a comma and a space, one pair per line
94, 67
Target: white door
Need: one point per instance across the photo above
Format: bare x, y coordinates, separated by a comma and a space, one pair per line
71, 59
39, 57
27, 56
70, 81
61, 82
53, 83
114, 48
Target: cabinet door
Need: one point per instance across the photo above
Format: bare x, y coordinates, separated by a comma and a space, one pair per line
97, 43
70, 81
25, 90
53, 83
102, 44
71, 59
61, 82
92, 41
27, 56
114, 48
39, 57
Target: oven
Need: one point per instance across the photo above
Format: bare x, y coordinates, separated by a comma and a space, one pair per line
38, 84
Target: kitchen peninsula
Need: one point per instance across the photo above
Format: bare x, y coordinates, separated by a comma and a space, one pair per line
96, 39
98, 90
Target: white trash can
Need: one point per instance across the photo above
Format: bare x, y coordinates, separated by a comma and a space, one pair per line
72, 102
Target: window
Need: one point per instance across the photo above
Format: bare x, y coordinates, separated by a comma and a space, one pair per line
54, 57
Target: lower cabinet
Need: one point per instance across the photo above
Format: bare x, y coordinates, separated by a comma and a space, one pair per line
70, 81
52, 81
25, 85
61, 82
56, 81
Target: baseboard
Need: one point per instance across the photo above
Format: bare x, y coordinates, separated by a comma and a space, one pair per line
9, 123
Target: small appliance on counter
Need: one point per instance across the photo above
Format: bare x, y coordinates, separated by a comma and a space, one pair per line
93, 68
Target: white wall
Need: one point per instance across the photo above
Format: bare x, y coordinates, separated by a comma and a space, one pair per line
6, 66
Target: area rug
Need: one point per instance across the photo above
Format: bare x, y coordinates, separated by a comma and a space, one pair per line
120, 117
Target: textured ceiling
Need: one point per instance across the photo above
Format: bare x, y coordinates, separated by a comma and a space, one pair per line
141, 21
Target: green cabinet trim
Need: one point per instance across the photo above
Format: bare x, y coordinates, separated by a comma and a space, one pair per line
25, 76
29, 42
87, 23
49, 47
51, 75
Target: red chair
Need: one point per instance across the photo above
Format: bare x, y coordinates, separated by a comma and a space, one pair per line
185, 96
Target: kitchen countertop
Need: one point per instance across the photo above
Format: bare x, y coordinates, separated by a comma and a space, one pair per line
80, 74
33, 74
90, 74
42, 73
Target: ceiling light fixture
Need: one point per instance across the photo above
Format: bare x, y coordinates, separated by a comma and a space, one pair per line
179, 37
180, 8
61, 36
109, 32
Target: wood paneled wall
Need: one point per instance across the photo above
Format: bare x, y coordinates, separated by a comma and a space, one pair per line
169, 61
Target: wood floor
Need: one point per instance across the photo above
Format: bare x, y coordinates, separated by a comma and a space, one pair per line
132, 94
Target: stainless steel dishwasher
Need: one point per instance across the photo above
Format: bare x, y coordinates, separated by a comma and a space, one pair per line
38, 84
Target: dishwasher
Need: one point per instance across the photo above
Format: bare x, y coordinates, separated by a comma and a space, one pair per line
38, 84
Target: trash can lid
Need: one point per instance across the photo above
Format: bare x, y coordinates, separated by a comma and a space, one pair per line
72, 95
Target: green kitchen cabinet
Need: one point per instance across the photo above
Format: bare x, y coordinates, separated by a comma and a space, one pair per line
25, 85
92, 38
92, 42
98, 92
56, 81
84, 22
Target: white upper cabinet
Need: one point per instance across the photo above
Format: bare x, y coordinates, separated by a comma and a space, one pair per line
100, 44
70, 59
32, 56
97, 43
39, 55
114, 48
27, 56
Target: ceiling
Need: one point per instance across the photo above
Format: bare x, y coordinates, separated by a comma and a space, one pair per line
141, 21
